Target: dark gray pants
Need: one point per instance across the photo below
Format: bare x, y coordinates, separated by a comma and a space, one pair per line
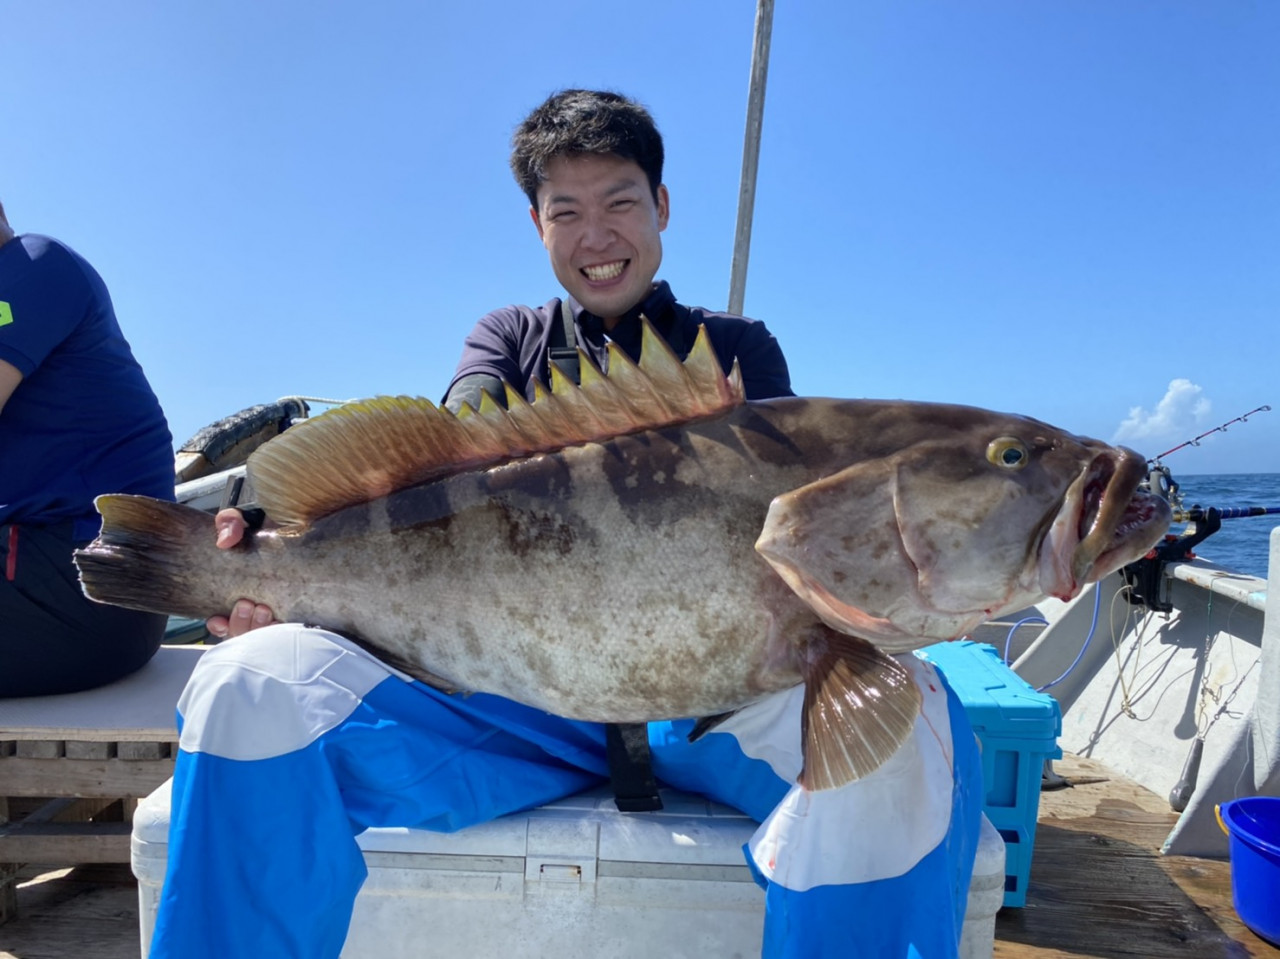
52, 638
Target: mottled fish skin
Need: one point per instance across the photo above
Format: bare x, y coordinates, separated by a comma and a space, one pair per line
621, 580
615, 581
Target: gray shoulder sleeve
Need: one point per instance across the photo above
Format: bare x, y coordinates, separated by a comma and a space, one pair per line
468, 388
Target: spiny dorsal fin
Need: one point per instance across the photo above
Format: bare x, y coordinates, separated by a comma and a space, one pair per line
361, 451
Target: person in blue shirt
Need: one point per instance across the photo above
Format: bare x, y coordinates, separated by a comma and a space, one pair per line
293, 739
77, 418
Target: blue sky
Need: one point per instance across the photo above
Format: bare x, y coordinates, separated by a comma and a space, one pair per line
1064, 209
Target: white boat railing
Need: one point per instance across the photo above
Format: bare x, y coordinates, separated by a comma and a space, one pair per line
1185, 702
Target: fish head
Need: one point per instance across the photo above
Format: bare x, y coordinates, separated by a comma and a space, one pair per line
964, 515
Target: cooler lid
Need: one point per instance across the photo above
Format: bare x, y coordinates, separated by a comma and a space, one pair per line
996, 699
689, 830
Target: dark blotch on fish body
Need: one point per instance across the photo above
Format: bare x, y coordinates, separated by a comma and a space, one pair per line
536, 531
643, 472
542, 477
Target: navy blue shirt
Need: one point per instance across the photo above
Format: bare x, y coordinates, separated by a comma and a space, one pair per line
511, 343
83, 420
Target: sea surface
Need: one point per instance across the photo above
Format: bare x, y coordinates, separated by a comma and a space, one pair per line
1242, 544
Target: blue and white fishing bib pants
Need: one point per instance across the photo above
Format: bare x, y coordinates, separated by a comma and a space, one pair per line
294, 740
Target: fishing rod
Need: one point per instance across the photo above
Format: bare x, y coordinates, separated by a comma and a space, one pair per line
1145, 576
1198, 514
1161, 482
1223, 428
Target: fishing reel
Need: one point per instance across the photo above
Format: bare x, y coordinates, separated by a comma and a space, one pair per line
1145, 577
1161, 482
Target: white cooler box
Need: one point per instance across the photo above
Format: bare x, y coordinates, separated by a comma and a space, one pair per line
572, 879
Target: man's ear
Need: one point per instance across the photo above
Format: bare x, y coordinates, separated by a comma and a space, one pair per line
664, 206
537, 222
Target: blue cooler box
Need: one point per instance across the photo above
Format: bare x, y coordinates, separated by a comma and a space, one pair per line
1018, 728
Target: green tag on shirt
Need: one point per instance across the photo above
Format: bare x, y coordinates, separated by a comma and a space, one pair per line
6, 314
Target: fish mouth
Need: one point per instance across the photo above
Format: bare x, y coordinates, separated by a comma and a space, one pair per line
1114, 522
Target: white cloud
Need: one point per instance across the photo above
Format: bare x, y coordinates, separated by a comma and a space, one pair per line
1182, 409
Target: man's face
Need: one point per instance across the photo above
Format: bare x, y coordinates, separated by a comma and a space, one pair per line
601, 227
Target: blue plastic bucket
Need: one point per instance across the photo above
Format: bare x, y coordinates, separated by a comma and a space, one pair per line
1253, 825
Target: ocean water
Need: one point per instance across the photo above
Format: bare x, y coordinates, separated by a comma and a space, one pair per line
1242, 544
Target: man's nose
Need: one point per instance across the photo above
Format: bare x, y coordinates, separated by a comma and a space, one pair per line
596, 232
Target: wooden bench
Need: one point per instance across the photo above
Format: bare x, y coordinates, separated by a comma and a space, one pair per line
66, 759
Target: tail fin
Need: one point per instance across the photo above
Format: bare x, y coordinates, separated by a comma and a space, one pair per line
145, 556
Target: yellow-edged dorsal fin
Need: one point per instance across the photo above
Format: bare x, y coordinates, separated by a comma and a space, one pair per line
364, 450
641, 392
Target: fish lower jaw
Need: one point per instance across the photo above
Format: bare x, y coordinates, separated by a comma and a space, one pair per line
1129, 542
1061, 582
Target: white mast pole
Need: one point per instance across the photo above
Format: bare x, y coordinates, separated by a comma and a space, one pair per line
750, 154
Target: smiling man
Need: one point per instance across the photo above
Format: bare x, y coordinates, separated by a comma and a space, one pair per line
591, 165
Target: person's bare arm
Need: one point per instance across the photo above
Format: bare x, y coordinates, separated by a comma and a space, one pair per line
246, 615
10, 377
6, 231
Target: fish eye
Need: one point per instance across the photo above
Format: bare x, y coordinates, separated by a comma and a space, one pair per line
1008, 452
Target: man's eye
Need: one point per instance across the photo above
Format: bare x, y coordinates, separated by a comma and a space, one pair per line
623, 204
562, 215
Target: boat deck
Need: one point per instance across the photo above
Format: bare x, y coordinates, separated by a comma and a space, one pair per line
1099, 888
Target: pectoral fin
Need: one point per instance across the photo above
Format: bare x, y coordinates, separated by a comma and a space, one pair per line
860, 706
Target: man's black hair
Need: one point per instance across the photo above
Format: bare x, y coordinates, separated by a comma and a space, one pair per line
585, 122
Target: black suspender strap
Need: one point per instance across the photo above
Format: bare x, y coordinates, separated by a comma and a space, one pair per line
232, 493
675, 338
563, 351
630, 770
626, 744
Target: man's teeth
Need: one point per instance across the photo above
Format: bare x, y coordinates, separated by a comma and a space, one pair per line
606, 271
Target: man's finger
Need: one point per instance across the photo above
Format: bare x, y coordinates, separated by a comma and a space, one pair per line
230, 527
241, 619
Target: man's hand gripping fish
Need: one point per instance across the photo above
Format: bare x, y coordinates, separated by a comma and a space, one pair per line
652, 546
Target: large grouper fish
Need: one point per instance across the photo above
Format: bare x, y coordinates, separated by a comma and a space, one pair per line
651, 546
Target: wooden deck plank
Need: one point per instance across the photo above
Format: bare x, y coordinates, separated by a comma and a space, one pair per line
65, 843
1100, 889
89, 911
113, 778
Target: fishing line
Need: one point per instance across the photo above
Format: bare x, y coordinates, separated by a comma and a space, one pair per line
1185, 787
1008, 640
1245, 766
311, 399
316, 399
1127, 697
1206, 693
1097, 604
